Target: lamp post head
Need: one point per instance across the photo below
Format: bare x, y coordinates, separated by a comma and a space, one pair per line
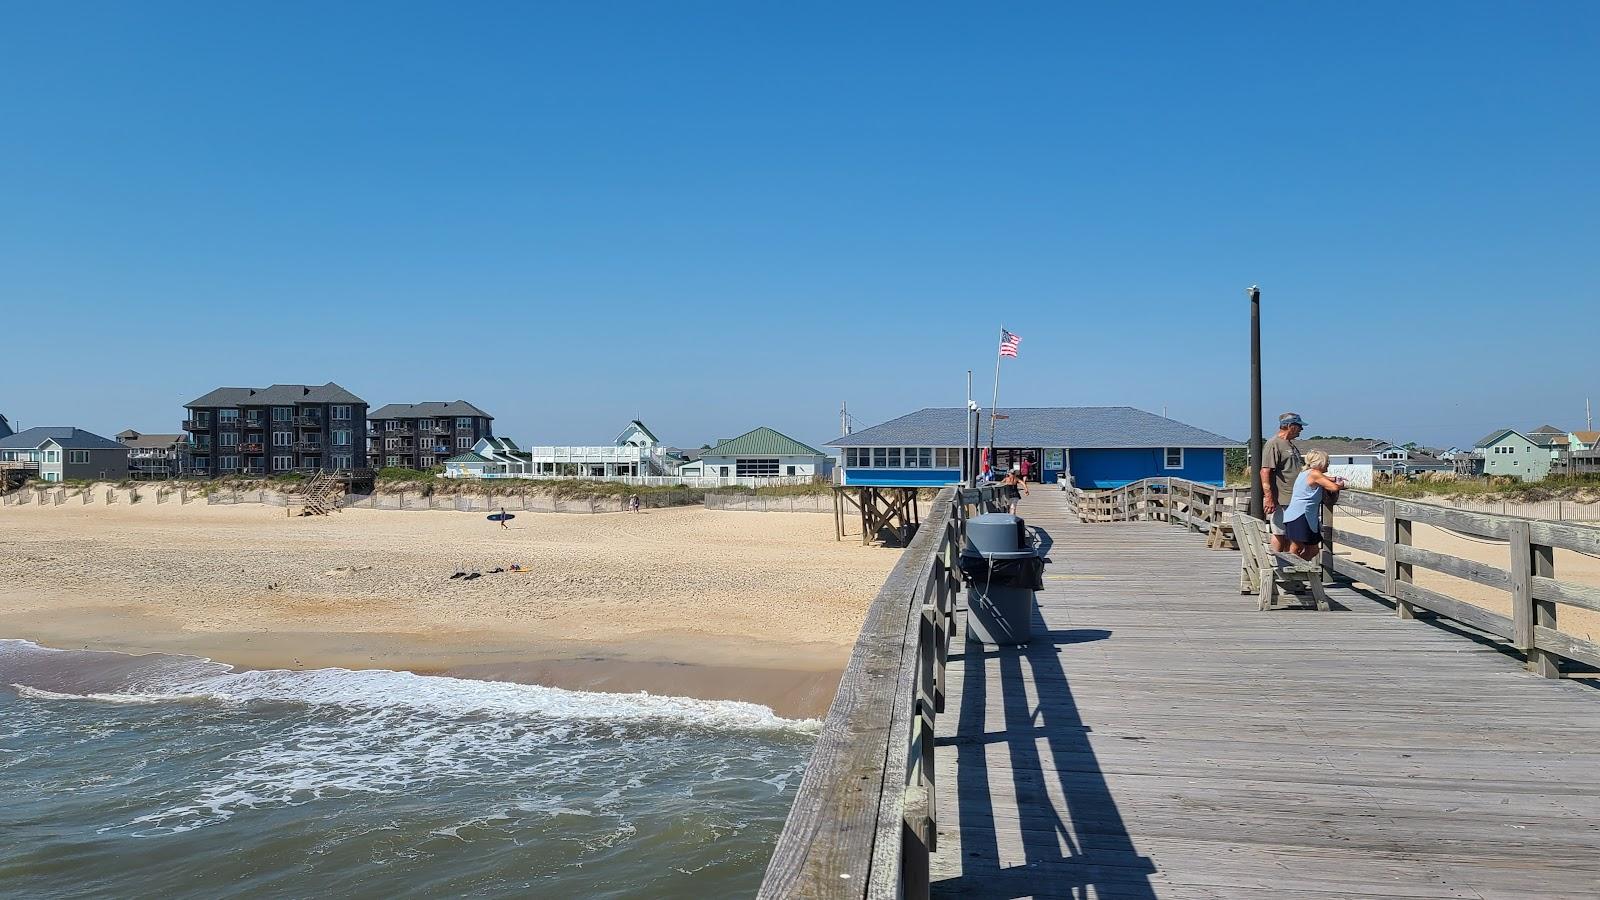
1255, 294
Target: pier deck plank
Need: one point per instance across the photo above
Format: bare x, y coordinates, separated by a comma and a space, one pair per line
1161, 737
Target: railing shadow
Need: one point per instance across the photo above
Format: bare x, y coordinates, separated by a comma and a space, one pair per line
1074, 842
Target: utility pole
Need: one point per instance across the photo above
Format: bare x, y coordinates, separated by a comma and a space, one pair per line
972, 436
1257, 499
844, 417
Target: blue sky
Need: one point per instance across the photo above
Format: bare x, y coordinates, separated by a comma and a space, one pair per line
718, 216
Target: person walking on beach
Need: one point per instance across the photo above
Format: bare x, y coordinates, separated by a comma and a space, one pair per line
633, 503
1014, 485
1280, 463
503, 518
1302, 518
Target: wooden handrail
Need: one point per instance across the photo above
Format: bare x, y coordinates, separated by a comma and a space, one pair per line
1529, 575
864, 819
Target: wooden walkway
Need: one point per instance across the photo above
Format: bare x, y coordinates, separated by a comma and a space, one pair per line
1162, 738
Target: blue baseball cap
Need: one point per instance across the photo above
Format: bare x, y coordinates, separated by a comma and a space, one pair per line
1287, 419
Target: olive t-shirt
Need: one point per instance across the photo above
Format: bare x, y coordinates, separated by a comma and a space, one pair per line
1284, 459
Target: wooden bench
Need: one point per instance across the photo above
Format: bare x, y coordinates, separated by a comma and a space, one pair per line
1275, 575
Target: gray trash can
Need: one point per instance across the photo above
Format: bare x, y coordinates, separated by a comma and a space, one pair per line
1003, 569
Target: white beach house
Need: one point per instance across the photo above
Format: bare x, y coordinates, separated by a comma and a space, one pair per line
762, 453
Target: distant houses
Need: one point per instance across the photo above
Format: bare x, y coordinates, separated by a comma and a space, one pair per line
424, 435
490, 457
1095, 446
1510, 452
760, 453
155, 456
57, 454
635, 451
276, 430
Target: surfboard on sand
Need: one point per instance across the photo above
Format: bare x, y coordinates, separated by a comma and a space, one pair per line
501, 517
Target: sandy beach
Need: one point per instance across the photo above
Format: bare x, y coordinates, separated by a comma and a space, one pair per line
712, 604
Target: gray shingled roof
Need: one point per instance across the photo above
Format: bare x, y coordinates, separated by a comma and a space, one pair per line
275, 395
428, 410
1039, 426
138, 440
1493, 436
69, 439
1341, 448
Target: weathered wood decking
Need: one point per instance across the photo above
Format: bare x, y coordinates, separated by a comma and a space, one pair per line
1163, 738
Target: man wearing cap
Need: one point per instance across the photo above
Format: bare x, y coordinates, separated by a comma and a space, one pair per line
1280, 463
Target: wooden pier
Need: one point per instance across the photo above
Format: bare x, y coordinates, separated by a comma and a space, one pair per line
1163, 737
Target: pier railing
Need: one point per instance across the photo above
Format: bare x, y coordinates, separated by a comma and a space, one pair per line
1528, 546
864, 819
1178, 500
1529, 578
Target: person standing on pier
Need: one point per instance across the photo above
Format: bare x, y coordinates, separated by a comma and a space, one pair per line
1281, 462
1302, 523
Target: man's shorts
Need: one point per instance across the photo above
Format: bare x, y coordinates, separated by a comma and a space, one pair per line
1277, 521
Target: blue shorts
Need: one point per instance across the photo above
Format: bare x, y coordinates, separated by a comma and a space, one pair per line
1299, 531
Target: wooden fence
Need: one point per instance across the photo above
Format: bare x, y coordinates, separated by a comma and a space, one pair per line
1529, 576
1200, 507
864, 820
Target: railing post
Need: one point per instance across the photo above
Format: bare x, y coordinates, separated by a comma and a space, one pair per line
1396, 533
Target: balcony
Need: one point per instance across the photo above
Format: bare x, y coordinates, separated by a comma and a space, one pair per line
400, 431
308, 421
308, 446
251, 447
196, 425
440, 448
253, 425
439, 429
254, 470
464, 429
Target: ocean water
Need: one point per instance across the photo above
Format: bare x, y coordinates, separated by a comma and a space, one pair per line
161, 776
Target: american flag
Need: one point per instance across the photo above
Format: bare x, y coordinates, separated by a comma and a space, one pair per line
1008, 343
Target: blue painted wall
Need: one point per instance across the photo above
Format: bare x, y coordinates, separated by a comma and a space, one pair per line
902, 477
1099, 469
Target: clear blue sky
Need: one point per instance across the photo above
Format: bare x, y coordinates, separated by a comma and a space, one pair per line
718, 216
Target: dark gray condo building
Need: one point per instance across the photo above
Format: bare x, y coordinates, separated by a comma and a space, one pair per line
276, 430
424, 435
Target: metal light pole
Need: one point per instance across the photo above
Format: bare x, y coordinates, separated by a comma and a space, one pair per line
1257, 500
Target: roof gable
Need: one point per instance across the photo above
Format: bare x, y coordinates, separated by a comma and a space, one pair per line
1108, 427
642, 430
762, 441
1494, 437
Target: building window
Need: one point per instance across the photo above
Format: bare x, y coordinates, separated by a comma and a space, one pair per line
341, 437
756, 468
395, 462
341, 412
425, 424
464, 442
282, 413
202, 418
724, 470
229, 439
880, 457
464, 422
282, 438
791, 470
252, 418
429, 462
227, 416
78, 457
282, 463
1174, 458
924, 457
227, 463
947, 457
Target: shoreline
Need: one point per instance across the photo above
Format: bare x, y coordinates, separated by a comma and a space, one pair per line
795, 681
714, 605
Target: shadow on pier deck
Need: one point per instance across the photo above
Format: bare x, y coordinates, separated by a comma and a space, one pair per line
1162, 738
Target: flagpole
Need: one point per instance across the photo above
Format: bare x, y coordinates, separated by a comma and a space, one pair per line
996, 401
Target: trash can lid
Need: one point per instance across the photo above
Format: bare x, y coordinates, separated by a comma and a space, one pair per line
995, 533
